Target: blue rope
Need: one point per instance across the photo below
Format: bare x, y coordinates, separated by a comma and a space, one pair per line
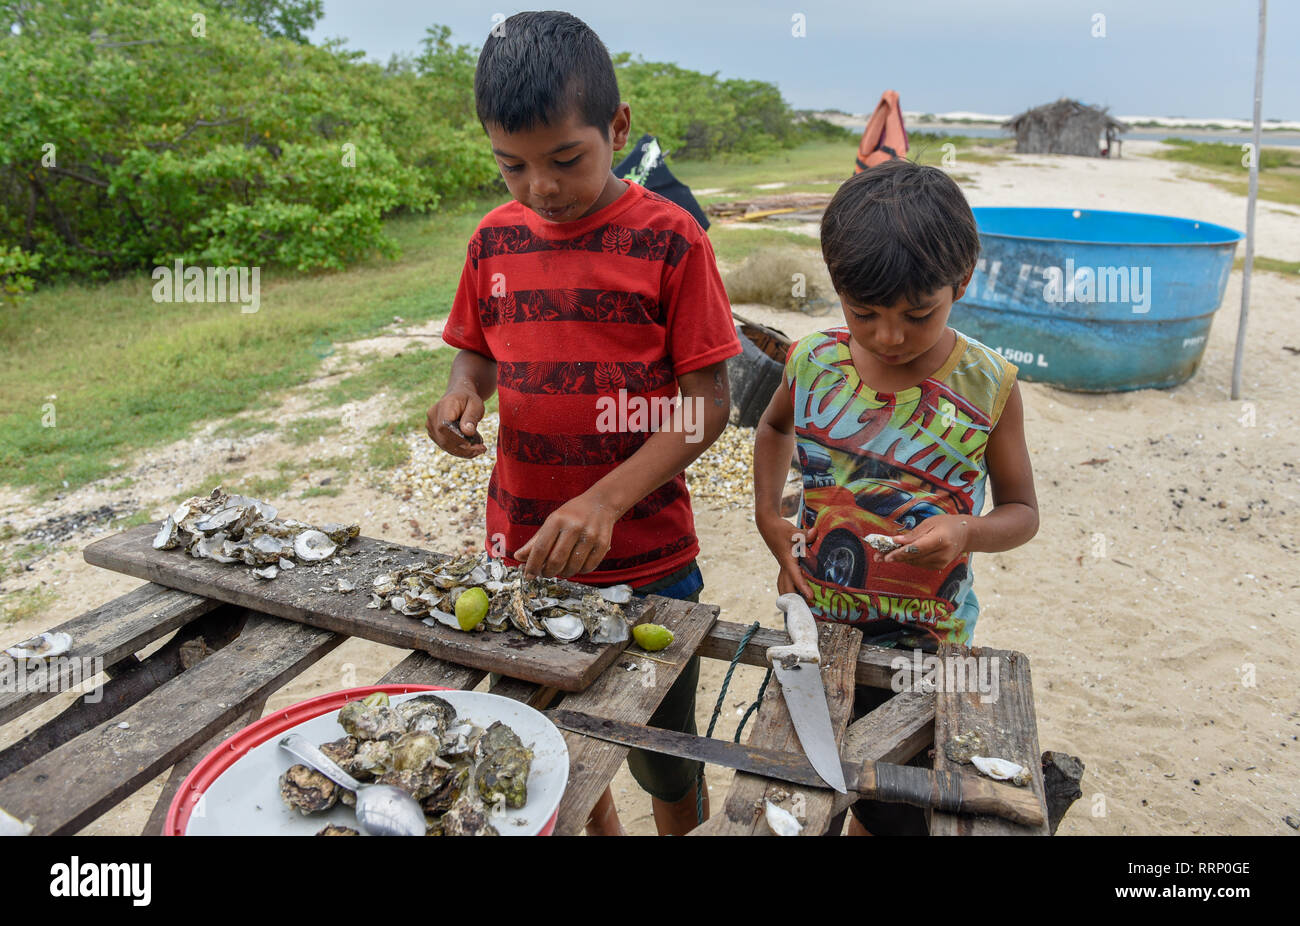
717, 710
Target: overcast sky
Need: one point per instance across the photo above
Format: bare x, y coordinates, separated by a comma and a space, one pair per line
1157, 57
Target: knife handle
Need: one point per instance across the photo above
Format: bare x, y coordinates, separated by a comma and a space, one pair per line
802, 628
949, 791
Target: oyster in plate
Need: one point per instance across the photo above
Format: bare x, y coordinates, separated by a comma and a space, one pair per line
307, 790
502, 776
468, 816
467, 779
371, 721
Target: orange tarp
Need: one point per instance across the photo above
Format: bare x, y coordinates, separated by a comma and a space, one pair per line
885, 137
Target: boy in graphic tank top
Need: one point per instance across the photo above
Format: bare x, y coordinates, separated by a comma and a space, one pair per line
899, 423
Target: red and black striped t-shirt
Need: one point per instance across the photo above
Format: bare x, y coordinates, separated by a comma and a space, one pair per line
627, 298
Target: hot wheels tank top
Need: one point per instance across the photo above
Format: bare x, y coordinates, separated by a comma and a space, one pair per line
880, 463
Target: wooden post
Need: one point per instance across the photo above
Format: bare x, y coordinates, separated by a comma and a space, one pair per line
1250, 207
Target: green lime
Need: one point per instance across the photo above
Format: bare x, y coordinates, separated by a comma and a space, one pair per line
471, 608
652, 637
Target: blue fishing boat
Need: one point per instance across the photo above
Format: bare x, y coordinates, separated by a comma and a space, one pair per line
1096, 301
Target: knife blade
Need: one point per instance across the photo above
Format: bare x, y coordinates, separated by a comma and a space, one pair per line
952, 792
798, 668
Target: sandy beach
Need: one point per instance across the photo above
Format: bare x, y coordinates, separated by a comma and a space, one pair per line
1163, 656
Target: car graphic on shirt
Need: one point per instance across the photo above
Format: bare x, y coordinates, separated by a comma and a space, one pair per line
875, 498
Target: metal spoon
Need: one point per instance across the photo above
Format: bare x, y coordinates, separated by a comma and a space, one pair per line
382, 810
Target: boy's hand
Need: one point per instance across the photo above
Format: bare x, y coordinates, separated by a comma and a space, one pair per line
572, 541
932, 544
463, 408
783, 539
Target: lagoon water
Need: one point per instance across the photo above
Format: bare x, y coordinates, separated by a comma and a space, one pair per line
1290, 139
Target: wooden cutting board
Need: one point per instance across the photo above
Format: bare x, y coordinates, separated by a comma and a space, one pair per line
309, 595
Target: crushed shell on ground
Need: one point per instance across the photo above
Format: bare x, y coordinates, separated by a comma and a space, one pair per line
722, 477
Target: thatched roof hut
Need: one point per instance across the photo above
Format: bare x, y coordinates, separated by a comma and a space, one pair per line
1066, 127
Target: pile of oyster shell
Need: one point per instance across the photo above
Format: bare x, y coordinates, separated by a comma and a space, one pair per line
461, 774
237, 529
538, 607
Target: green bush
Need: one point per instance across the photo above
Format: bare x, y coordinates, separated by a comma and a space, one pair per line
137, 132
15, 264
696, 115
140, 141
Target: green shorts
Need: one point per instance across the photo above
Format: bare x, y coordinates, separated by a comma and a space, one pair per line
669, 778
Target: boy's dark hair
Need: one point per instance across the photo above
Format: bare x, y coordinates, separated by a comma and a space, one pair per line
537, 67
898, 230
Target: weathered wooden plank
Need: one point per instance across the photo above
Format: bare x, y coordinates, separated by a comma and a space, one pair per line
419, 668
100, 638
69, 787
773, 729
874, 662
894, 732
1006, 723
308, 595
630, 690
538, 697
180, 771
191, 643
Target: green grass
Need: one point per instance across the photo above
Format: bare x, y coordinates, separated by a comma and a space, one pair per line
130, 521
821, 166
15, 606
236, 428
1224, 154
279, 486
416, 376
318, 491
308, 430
129, 373
340, 465
388, 449
26, 553
1279, 170
928, 148
733, 243
269, 488
1271, 265
821, 160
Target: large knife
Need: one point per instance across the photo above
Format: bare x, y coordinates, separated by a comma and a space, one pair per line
951, 792
798, 668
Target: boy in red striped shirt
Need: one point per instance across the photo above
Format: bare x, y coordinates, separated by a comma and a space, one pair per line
587, 304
